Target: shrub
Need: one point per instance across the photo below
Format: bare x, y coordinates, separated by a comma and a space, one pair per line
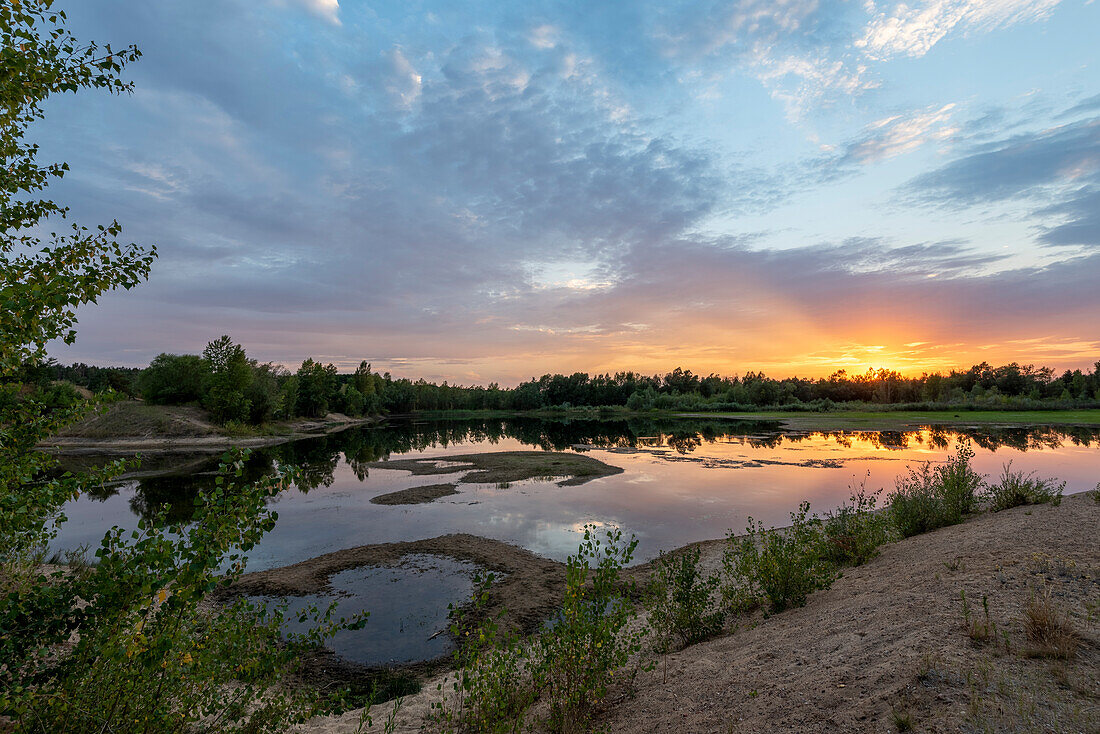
1016, 488
173, 379
929, 498
496, 678
681, 600
149, 655
853, 532
782, 566
915, 505
959, 483
588, 643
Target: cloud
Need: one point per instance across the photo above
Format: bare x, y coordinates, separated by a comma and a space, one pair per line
326, 9
913, 29
898, 134
1024, 165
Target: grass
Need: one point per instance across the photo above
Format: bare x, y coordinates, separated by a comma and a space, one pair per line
1049, 629
1017, 488
894, 420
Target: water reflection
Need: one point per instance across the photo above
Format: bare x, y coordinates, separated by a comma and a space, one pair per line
684, 480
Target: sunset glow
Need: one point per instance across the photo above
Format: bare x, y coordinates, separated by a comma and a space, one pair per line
486, 192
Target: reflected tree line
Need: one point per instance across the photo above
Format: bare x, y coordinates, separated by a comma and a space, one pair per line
319, 458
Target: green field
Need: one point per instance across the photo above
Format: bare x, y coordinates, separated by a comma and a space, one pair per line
907, 419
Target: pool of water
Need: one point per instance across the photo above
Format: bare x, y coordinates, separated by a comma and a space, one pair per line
407, 606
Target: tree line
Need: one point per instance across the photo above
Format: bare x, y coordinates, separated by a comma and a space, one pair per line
233, 387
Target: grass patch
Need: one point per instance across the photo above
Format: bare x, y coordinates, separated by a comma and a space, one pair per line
1049, 629
1016, 488
415, 495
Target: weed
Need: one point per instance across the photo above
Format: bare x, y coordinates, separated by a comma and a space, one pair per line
589, 644
496, 680
902, 719
1049, 629
854, 531
934, 497
681, 600
959, 483
1095, 494
1016, 488
980, 629
782, 566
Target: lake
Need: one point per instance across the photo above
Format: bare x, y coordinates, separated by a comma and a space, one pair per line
683, 480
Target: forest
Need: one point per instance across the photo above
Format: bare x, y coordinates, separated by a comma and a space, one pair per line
235, 388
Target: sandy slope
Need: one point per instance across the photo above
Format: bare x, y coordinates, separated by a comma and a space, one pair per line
887, 641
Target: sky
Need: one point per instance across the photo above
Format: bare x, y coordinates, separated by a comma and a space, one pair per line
486, 191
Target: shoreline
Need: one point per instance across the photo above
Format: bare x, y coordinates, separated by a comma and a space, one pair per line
887, 638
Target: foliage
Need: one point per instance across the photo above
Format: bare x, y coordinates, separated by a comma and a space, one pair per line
1017, 488
173, 379
853, 532
958, 483
589, 642
229, 379
780, 565
122, 644
497, 679
146, 651
681, 600
933, 497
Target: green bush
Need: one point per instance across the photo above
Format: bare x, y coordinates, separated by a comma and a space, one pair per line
916, 506
782, 566
681, 600
150, 654
588, 644
853, 532
496, 678
173, 379
1016, 488
959, 484
930, 497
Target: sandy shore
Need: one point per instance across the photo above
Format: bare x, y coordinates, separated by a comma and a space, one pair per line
886, 643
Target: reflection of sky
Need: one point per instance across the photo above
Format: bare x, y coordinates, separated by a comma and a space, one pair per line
407, 607
664, 497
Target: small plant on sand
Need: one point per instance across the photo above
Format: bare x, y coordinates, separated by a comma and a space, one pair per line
1049, 629
495, 680
1095, 494
915, 506
902, 719
1017, 488
979, 628
853, 532
681, 600
587, 646
782, 566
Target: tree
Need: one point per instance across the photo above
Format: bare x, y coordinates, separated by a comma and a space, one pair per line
230, 378
139, 653
43, 280
173, 379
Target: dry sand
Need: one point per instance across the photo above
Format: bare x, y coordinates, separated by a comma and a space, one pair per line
886, 643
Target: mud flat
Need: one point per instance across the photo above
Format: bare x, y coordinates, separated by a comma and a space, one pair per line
415, 495
508, 466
